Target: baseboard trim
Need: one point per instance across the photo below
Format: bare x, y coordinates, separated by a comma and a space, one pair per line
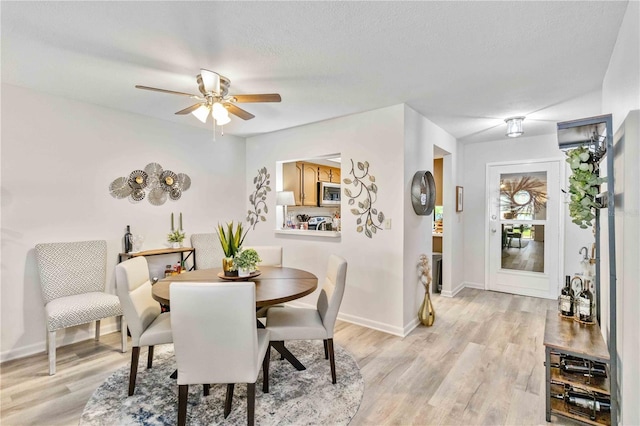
62, 339
479, 286
353, 319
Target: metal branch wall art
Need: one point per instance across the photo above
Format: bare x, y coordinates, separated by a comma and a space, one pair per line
365, 194
158, 183
258, 198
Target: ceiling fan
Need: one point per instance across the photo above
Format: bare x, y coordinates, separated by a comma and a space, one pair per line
214, 99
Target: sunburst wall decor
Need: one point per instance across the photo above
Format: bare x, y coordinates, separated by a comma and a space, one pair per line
153, 183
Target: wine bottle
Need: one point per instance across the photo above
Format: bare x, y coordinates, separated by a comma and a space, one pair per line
585, 304
566, 299
595, 370
586, 401
128, 241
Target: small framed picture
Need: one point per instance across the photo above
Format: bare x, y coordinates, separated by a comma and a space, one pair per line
459, 196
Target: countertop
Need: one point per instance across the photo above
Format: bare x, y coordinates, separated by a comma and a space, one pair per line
308, 233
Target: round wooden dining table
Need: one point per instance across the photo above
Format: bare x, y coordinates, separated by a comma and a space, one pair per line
274, 284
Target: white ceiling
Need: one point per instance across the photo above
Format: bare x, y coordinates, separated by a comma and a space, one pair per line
464, 65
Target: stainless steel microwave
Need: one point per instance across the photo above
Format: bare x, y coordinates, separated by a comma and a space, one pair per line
328, 194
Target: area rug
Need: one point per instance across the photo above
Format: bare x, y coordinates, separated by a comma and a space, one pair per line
295, 397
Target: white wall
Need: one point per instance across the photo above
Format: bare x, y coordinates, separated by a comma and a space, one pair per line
58, 159
373, 296
476, 158
620, 95
420, 137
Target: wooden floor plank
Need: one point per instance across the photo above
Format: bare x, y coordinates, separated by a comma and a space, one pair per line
480, 363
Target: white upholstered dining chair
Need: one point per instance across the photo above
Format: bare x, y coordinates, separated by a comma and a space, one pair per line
216, 340
73, 276
269, 255
209, 253
148, 326
308, 324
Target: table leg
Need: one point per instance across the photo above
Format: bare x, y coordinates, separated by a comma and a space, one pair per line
279, 346
286, 354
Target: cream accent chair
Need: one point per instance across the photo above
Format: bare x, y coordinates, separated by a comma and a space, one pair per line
209, 253
306, 324
147, 325
73, 277
216, 340
270, 255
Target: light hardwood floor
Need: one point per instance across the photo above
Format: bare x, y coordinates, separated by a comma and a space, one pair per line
480, 363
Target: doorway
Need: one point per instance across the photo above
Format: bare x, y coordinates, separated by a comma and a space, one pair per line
524, 228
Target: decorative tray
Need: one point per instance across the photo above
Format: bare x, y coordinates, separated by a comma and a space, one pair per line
247, 278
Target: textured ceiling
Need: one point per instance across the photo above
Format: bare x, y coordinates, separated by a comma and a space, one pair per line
464, 65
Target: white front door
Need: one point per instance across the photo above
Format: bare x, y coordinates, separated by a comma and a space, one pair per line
524, 228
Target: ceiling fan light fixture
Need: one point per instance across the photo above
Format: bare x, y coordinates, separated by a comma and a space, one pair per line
211, 81
201, 113
219, 112
514, 126
223, 120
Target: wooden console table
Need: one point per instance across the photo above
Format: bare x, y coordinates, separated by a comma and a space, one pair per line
569, 337
181, 251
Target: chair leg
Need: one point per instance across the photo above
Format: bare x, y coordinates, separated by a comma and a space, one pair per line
123, 332
228, 400
97, 330
265, 370
52, 352
183, 392
205, 389
332, 361
251, 403
150, 357
326, 350
135, 356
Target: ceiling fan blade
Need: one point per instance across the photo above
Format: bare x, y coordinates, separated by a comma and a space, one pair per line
172, 92
265, 97
238, 111
189, 109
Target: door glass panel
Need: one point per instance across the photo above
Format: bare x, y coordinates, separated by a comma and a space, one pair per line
523, 247
523, 198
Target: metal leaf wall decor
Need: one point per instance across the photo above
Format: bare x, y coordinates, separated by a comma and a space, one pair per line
362, 197
258, 199
153, 183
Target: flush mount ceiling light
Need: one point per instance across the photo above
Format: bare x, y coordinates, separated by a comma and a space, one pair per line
214, 99
514, 126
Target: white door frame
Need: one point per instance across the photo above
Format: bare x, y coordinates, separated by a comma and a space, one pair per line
561, 218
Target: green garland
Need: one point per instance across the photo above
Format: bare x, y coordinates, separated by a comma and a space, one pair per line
583, 186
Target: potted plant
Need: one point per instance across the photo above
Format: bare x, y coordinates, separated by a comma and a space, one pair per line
584, 185
176, 238
231, 242
246, 261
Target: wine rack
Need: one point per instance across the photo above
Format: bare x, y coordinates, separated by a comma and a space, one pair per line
566, 337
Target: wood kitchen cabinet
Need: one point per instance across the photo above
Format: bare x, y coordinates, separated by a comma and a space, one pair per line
292, 180
302, 179
328, 174
309, 184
